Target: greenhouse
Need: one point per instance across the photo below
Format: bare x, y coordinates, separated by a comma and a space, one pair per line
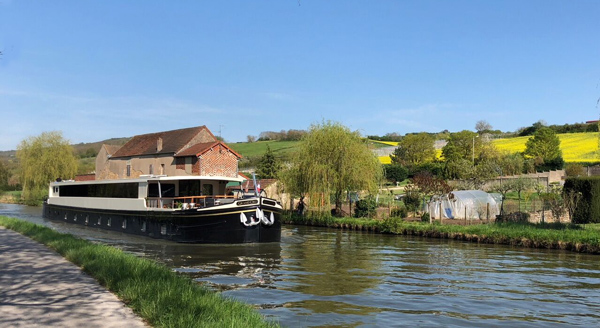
466, 205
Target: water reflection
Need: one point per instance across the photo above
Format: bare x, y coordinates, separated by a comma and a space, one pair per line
333, 263
330, 278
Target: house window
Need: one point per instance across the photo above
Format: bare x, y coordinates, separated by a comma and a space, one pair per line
162, 169
151, 169
128, 170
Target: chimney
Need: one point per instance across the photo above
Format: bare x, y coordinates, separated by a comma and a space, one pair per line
159, 144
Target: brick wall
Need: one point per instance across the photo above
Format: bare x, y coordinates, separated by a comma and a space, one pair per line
218, 161
195, 166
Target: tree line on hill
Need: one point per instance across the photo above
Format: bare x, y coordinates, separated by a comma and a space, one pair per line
289, 135
483, 126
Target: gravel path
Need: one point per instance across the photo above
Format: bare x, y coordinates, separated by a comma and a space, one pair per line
39, 288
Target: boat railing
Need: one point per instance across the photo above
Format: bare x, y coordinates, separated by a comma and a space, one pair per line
188, 202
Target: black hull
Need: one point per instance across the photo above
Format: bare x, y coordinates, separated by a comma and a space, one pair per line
215, 226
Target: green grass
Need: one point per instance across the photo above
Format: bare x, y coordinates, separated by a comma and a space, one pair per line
157, 294
578, 238
255, 149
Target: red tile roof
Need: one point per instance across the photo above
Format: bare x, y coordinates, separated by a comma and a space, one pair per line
201, 148
85, 177
146, 144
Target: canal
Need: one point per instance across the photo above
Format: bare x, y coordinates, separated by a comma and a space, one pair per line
319, 277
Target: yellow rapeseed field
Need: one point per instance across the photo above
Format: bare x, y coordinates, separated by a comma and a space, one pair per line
576, 147
385, 160
389, 143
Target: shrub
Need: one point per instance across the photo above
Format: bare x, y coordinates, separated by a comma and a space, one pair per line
399, 212
412, 198
425, 217
574, 170
588, 208
365, 207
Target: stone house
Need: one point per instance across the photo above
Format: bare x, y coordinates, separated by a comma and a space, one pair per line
190, 151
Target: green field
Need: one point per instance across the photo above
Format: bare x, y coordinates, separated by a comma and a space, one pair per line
254, 149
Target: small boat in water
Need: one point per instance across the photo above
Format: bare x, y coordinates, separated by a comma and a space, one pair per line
187, 209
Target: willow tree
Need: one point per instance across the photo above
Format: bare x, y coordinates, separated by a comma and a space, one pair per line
331, 161
42, 159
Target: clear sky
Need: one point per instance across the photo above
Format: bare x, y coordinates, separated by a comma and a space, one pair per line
103, 69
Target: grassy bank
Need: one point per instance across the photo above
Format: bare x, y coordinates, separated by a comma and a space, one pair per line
10, 197
153, 291
578, 238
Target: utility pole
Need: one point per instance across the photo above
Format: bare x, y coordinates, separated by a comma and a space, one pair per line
473, 159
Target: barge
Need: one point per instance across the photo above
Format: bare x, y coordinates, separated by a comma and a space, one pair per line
185, 209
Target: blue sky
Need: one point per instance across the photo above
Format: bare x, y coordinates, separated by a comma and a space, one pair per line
104, 69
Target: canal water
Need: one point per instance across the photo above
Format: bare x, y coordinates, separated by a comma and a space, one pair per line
319, 277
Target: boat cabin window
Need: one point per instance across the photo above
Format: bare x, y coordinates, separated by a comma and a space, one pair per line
190, 188
108, 190
167, 190
207, 189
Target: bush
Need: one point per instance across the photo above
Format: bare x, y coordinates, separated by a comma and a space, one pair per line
425, 217
399, 212
574, 170
412, 199
588, 208
365, 207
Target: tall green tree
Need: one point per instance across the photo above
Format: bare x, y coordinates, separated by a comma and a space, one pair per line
544, 149
395, 172
331, 160
462, 145
268, 166
414, 149
42, 159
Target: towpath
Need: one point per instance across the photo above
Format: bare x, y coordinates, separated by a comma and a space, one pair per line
39, 288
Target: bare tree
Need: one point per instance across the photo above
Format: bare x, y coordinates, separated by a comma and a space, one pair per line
571, 198
483, 126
